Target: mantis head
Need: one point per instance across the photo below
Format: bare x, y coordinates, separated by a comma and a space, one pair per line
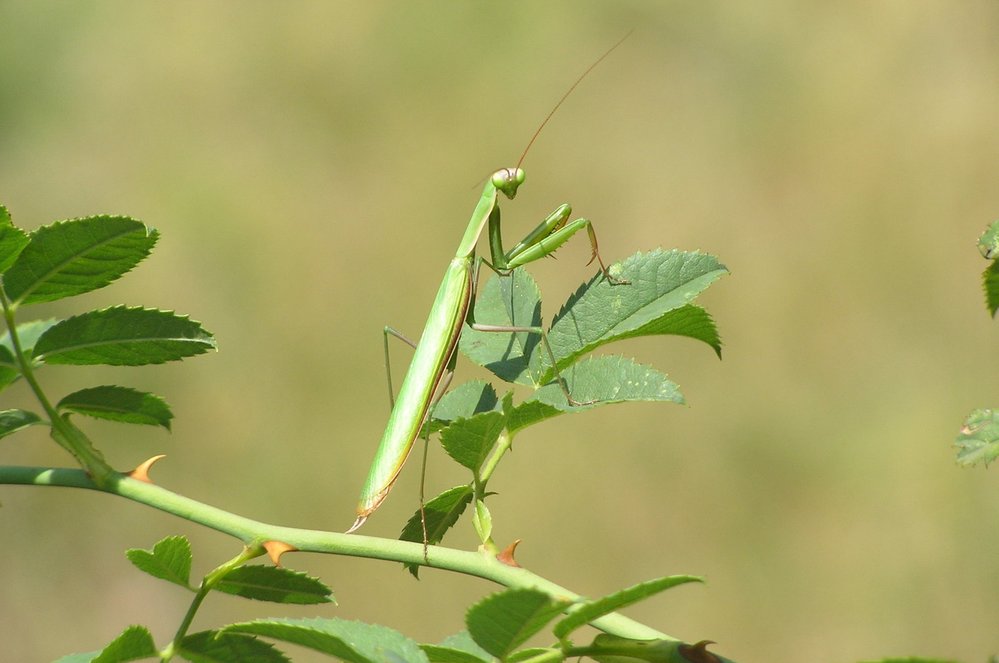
508, 180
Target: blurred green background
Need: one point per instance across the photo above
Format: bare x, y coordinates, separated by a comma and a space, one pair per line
311, 166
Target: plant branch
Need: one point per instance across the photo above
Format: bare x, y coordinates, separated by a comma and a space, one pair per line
254, 533
211, 579
68, 436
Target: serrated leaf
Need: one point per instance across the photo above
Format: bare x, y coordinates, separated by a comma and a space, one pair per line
502, 622
441, 513
655, 302
73, 257
12, 240
469, 441
506, 301
690, 321
170, 560
354, 642
660, 282
529, 413
274, 583
990, 284
123, 336
457, 648
590, 610
135, 643
223, 647
978, 440
467, 399
596, 381
438, 654
12, 421
122, 404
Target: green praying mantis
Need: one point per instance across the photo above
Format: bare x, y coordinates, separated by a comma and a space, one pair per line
434, 358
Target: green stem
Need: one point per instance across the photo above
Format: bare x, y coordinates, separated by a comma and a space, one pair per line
207, 584
63, 432
254, 533
502, 446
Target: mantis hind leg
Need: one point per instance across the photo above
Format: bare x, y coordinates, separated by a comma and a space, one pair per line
445, 382
442, 389
511, 329
386, 332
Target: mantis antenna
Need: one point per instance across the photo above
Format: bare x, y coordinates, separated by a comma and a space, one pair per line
565, 96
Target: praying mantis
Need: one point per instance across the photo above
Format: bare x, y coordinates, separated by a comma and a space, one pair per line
434, 358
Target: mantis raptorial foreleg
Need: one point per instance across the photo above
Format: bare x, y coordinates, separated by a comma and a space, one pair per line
543, 241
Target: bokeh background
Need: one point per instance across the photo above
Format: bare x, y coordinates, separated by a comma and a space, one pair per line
311, 166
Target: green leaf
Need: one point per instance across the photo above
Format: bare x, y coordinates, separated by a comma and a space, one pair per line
135, 643
222, 647
354, 642
438, 654
122, 336
990, 284
911, 659
988, 243
72, 257
441, 513
465, 400
502, 622
78, 658
690, 320
978, 440
457, 648
655, 302
12, 240
119, 404
12, 421
507, 301
602, 380
274, 583
469, 441
28, 334
483, 521
170, 560
660, 282
9, 369
591, 610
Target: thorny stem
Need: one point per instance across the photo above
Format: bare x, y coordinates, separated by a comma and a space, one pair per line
254, 533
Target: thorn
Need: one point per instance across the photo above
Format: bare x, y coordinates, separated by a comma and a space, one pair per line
141, 473
277, 548
698, 653
507, 555
357, 524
